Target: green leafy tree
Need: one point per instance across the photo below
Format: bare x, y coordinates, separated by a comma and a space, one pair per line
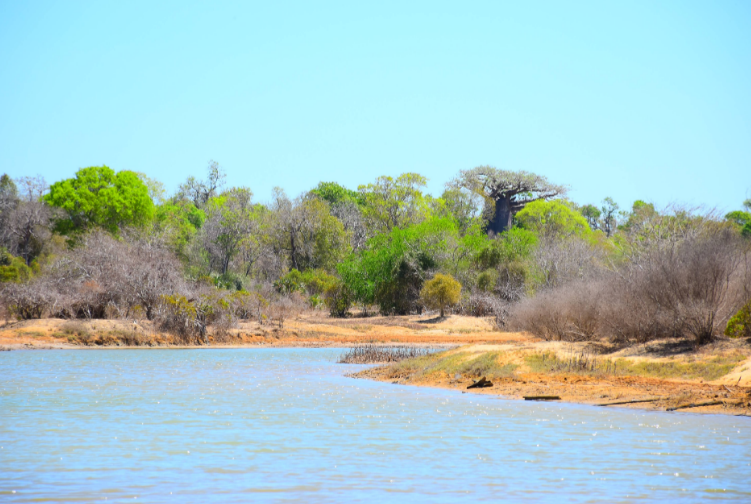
99, 197
440, 292
552, 218
592, 214
463, 205
742, 220
514, 245
391, 269
738, 217
179, 222
394, 203
306, 233
335, 194
642, 215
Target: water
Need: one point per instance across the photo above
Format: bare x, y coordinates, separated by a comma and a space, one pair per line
285, 425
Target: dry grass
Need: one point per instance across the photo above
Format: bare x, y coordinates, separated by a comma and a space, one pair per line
449, 364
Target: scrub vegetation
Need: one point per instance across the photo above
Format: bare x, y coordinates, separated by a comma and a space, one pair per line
500, 244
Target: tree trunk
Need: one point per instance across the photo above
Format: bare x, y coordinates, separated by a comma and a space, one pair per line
503, 217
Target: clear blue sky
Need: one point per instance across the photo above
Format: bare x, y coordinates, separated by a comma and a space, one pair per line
648, 100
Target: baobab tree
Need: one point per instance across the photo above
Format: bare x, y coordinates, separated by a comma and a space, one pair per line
507, 191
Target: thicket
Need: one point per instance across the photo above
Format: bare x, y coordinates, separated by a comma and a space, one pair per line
107, 244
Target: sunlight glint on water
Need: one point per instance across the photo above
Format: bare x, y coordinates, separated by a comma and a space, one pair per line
286, 425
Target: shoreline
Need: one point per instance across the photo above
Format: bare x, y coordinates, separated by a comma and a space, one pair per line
645, 406
664, 374
719, 396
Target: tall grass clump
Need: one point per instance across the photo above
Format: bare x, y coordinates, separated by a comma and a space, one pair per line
375, 354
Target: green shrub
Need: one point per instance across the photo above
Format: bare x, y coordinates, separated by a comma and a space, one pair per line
739, 324
338, 299
313, 282
315, 301
289, 283
179, 315
486, 280
12, 268
440, 292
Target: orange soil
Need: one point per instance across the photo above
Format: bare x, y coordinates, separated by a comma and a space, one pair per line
315, 330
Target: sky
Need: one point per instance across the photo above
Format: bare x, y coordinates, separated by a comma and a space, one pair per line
634, 100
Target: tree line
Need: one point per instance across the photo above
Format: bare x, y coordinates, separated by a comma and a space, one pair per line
495, 243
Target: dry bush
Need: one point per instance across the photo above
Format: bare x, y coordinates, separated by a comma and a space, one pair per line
690, 288
30, 300
179, 316
568, 313
483, 304
286, 307
557, 261
101, 277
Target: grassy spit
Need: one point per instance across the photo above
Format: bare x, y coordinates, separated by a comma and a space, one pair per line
499, 364
682, 382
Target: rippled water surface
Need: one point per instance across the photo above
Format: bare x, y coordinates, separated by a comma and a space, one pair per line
286, 425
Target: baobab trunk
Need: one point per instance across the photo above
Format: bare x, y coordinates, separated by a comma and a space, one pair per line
503, 217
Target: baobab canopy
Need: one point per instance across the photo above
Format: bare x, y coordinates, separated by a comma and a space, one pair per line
508, 191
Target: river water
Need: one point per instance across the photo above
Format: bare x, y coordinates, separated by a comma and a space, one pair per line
286, 425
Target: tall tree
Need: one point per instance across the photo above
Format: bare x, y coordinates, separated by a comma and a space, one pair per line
199, 192
306, 233
97, 196
25, 231
507, 191
609, 210
394, 202
592, 214
229, 221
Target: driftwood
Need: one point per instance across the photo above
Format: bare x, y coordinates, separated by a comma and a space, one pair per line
481, 383
696, 405
653, 399
542, 398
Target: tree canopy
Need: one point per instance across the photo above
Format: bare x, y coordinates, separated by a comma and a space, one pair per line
440, 292
97, 196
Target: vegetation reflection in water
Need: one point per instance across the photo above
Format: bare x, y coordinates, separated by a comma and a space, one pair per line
286, 424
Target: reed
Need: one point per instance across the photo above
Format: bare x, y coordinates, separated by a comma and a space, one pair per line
378, 354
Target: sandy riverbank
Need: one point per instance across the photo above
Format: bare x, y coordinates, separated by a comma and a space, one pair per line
719, 374
310, 330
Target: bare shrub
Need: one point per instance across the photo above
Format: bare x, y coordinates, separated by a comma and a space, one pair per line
567, 313
103, 277
30, 300
284, 308
689, 288
483, 304
557, 261
179, 316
